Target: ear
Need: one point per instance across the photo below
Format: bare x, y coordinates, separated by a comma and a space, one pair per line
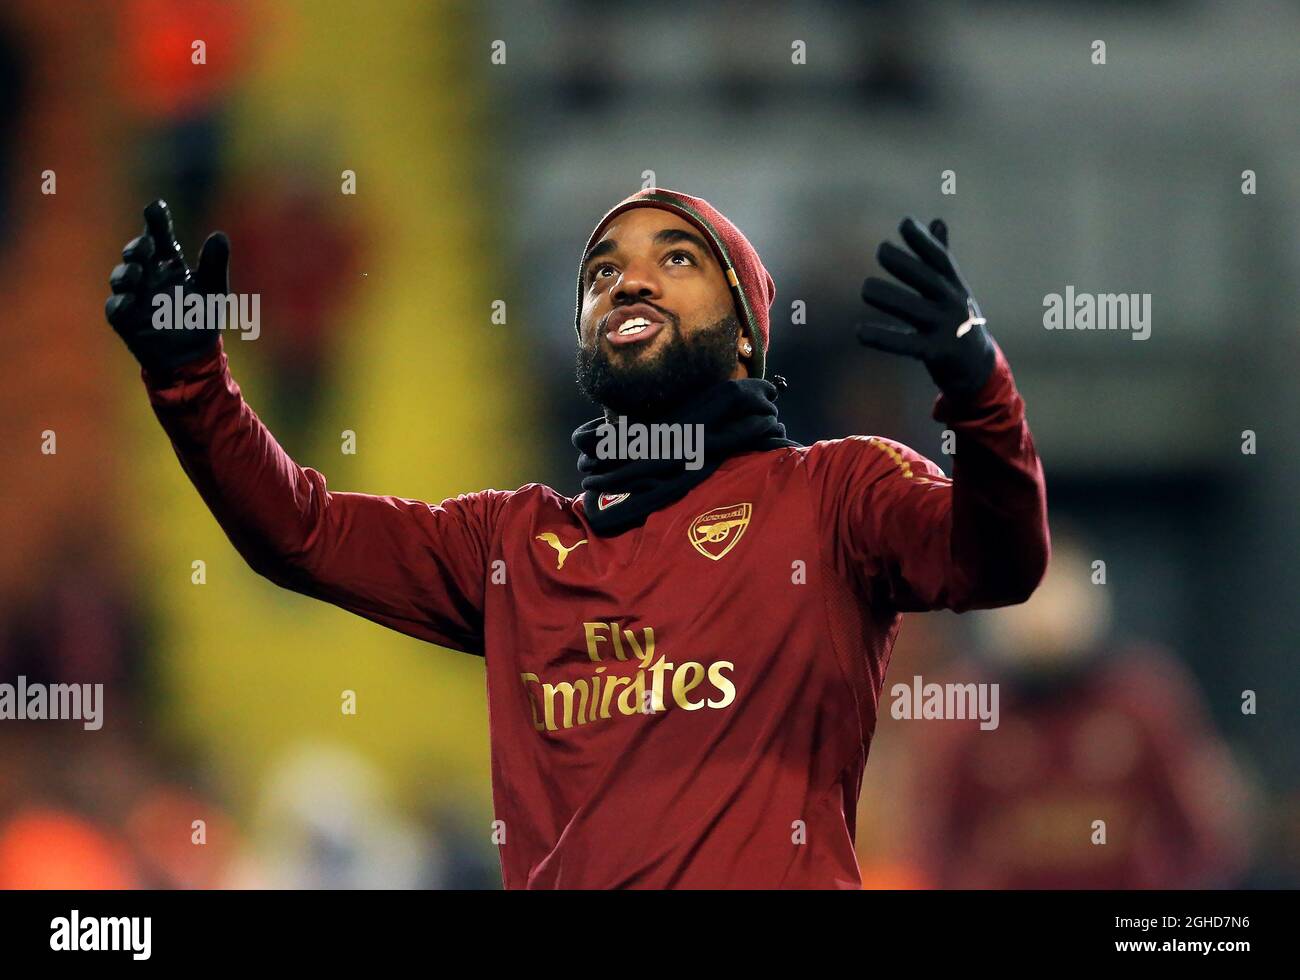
744, 352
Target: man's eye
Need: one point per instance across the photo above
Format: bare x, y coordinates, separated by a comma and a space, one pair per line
683, 255
595, 273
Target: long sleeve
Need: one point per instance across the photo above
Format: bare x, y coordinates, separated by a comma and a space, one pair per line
896, 526
418, 568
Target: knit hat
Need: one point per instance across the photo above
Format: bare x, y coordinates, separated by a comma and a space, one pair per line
752, 288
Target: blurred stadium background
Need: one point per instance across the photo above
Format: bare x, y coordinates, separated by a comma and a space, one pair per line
478, 182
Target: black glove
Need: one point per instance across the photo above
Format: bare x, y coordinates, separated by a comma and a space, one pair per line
949, 334
153, 264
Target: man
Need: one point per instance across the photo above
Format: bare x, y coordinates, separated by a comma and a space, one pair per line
683, 662
1097, 728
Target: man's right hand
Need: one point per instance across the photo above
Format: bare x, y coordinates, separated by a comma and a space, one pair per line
154, 264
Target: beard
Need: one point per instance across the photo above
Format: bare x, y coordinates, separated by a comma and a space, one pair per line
627, 382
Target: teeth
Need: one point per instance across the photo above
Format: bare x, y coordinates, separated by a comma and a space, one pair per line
633, 326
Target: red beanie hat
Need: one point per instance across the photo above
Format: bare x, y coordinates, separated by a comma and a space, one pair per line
752, 288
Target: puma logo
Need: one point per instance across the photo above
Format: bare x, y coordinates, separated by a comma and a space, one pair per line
561, 552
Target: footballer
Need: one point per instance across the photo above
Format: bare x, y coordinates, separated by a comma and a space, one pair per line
684, 661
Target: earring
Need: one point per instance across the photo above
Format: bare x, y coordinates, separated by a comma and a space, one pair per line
747, 349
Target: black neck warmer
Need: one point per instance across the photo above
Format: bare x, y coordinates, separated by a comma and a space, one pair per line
737, 417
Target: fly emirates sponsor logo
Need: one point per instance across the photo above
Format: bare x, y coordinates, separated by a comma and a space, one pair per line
657, 684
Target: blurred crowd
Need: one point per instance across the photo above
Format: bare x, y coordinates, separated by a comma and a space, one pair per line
1104, 771
134, 804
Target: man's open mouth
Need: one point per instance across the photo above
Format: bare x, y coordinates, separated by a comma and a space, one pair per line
632, 325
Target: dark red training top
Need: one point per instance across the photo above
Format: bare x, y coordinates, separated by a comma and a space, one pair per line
688, 704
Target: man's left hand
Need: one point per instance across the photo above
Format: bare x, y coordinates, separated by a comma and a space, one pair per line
940, 323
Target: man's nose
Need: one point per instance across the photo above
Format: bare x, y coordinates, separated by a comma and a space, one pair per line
638, 281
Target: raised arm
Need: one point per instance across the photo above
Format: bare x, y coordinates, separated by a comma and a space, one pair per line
975, 541
415, 567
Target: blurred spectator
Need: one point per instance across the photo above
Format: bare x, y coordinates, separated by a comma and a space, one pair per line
94, 809
179, 99
326, 821
77, 621
1090, 730
300, 255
